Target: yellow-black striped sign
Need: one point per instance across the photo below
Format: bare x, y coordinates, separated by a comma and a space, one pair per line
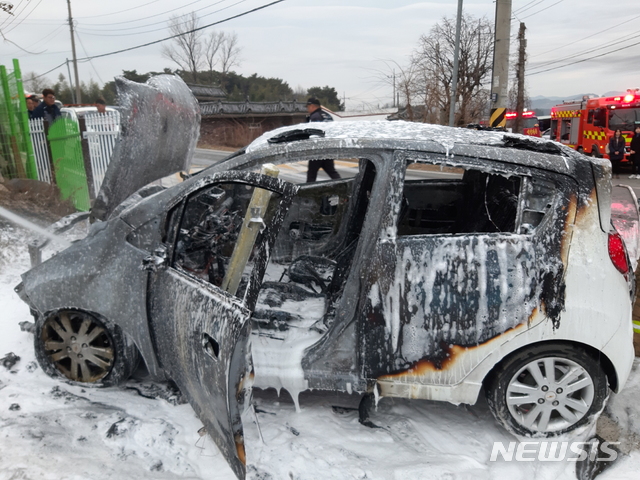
565, 113
595, 135
497, 118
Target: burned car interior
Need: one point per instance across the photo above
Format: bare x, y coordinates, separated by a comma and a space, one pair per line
209, 229
315, 247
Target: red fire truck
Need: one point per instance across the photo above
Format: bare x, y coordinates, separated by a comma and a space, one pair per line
588, 124
530, 125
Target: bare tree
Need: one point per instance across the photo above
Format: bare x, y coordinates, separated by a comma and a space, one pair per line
230, 52
212, 45
434, 56
34, 83
186, 49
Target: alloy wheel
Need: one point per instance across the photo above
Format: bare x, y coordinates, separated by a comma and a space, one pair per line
78, 346
550, 394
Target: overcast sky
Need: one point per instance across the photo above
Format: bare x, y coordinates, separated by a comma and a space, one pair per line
346, 44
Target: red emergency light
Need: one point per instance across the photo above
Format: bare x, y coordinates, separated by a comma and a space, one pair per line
528, 114
511, 115
622, 99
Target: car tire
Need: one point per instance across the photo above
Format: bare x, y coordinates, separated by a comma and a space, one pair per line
595, 152
80, 348
528, 401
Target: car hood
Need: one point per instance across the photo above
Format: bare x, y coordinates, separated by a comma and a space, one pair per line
160, 129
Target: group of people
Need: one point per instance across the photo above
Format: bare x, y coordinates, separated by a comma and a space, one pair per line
46, 109
616, 151
49, 110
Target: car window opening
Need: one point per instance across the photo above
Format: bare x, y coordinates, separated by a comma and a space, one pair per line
470, 201
209, 229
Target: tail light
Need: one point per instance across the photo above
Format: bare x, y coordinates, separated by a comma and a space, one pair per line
618, 253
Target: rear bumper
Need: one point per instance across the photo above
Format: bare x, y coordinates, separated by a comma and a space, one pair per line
621, 353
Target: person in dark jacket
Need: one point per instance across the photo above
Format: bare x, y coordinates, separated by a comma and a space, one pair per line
616, 150
32, 103
316, 114
48, 108
634, 150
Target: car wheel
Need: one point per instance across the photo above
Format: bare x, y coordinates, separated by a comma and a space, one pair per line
595, 152
80, 348
546, 390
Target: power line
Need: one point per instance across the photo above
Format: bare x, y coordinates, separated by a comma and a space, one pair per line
588, 37
183, 33
150, 16
121, 11
26, 16
49, 71
584, 52
528, 6
88, 32
52, 33
87, 54
540, 11
12, 16
585, 59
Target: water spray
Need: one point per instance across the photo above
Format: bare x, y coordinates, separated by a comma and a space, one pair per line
23, 222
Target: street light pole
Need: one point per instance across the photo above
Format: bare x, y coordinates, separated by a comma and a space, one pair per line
454, 79
73, 52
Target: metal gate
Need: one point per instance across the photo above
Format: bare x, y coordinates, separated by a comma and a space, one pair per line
41, 150
101, 132
68, 162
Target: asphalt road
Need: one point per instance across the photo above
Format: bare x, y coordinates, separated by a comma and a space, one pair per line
205, 157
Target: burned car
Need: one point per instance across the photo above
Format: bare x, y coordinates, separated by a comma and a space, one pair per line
444, 261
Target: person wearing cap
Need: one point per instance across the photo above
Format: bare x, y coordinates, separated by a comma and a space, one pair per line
316, 114
634, 151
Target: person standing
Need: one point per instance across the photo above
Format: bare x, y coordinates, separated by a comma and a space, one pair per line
48, 108
616, 150
316, 114
634, 150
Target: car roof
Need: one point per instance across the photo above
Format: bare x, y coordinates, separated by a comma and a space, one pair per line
411, 136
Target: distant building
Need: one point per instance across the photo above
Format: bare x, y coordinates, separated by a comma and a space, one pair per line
206, 93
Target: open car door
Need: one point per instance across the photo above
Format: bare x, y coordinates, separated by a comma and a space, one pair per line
203, 287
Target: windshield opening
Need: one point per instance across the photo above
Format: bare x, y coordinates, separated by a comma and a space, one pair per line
624, 118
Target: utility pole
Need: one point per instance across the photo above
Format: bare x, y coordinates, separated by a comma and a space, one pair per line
454, 79
500, 78
73, 93
73, 52
394, 87
520, 78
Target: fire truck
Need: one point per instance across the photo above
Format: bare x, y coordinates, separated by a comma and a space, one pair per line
530, 125
588, 124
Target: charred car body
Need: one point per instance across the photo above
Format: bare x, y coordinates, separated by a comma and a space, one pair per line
450, 260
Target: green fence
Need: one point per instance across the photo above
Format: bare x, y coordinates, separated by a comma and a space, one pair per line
16, 151
68, 162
